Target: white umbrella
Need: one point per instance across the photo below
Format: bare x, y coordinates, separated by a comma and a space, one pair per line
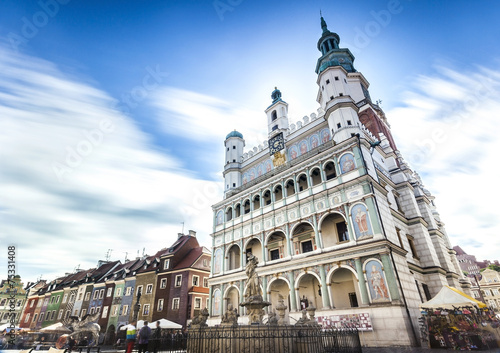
164, 323
57, 327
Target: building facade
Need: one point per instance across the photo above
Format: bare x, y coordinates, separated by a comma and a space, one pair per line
335, 216
487, 289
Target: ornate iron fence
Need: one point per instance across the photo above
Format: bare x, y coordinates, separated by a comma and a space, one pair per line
271, 339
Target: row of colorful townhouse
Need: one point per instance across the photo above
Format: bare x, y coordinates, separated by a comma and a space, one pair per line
172, 284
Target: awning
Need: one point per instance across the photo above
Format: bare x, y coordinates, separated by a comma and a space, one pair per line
449, 297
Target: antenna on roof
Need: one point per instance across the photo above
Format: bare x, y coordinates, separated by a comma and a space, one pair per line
183, 224
108, 254
126, 253
143, 251
77, 268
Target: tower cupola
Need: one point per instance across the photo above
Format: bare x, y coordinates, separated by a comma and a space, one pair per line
331, 53
277, 114
234, 144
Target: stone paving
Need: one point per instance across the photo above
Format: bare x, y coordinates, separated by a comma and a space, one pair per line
413, 350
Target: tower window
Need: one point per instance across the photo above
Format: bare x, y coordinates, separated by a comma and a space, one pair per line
349, 122
234, 160
338, 125
341, 94
336, 78
345, 80
234, 185
331, 98
327, 81
275, 127
322, 88
234, 147
228, 148
274, 115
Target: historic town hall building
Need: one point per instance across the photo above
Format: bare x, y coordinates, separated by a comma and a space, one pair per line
335, 216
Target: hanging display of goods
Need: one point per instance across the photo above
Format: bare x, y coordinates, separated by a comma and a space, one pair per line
458, 312
444, 312
437, 312
466, 312
423, 312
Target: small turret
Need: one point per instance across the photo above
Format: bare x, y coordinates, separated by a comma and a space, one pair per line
234, 144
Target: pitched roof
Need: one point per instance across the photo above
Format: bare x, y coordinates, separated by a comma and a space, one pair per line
190, 258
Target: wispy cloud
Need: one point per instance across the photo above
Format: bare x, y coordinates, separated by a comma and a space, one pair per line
72, 187
447, 130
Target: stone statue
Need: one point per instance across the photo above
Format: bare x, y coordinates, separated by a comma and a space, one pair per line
201, 318
303, 320
272, 318
253, 287
87, 323
230, 317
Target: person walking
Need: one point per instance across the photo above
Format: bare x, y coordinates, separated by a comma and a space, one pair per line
131, 336
156, 337
144, 335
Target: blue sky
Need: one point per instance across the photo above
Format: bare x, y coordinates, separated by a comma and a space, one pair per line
148, 90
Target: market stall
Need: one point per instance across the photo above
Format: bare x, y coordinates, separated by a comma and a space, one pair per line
455, 320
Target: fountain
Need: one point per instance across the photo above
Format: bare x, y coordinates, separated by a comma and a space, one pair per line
276, 336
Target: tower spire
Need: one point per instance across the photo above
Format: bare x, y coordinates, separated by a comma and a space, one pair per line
323, 24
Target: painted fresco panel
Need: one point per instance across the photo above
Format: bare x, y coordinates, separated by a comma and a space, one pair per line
377, 284
361, 221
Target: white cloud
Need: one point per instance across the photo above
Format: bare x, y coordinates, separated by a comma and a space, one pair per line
79, 178
201, 117
447, 130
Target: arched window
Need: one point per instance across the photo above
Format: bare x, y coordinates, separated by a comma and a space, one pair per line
302, 181
246, 206
278, 191
274, 116
267, 197
229, 214
330, 172
256, 202
316, 176
290, 188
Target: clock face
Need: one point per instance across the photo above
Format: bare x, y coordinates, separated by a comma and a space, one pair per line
276, 144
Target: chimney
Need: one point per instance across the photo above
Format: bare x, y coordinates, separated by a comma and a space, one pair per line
179, 235
192, 233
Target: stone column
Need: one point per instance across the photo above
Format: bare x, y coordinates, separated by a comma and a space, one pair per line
288, 242
210, 294
324, 291
242, 289
319, 242
361, 282
390, 276
293, 300
350, 227
372, 211
264, 291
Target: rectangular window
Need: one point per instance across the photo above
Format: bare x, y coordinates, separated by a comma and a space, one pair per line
205, 282
160, 304
275, 254
327, 81
197, 303
68, 313
110, 290
101, 294
208, 302
139, 290
336, 78
34, 318
399, 237
52, 300
175, 303
114, 311
80, 296
412, 246
87, 296
163, 283
92, 310
495, 291
196, 281
46, 301
149, 289
105, 312
27, 318
75, 313
125, 310
98, 309
53, 316
342, 232
166, 264
307, 246
178, 280
339, 126
84, 311
146, 309
41, 317
475, 294
57, 299
96, 294
72, 298
32, 303
426, 291
348, 121
129, 291
60, 314
419, 293
118, 292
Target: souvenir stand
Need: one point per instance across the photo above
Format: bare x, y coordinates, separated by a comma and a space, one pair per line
452, 319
